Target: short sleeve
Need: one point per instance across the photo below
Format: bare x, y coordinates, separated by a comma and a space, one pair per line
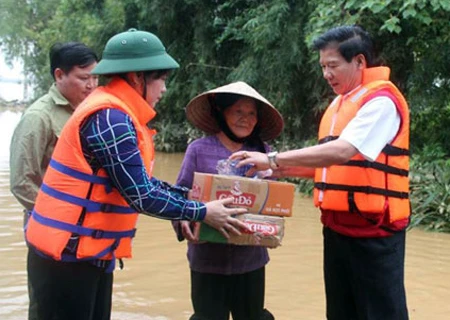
375, 125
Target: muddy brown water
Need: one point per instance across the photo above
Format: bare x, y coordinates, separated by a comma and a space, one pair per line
154, 285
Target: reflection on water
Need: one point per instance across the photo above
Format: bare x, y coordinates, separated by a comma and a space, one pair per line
154, 285
8, 121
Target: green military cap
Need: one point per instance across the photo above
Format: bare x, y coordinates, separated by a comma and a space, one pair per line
133, 51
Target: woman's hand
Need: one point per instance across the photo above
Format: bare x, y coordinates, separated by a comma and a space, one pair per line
219, 217
190, 230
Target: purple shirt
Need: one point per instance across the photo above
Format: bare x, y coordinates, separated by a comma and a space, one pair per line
202, 156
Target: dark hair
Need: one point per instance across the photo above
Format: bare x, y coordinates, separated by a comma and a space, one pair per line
156, 74
68, 55
351, 41
148, 75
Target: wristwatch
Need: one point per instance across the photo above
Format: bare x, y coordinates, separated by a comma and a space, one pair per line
273, 159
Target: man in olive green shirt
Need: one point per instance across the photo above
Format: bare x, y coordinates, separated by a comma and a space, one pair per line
36, 134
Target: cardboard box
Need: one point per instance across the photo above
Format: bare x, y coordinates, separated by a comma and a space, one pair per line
267, 231
266, 197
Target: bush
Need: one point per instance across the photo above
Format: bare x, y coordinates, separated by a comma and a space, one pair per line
170, 137
430, 190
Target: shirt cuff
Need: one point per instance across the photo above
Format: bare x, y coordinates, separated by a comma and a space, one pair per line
194, 211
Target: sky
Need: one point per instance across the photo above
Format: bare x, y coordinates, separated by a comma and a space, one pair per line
10, 91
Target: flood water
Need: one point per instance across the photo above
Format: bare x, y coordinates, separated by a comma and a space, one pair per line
154, 285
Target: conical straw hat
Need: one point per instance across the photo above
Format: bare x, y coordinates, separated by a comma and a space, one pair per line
199, 113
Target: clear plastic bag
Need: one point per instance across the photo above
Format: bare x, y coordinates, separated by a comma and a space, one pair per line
228, 167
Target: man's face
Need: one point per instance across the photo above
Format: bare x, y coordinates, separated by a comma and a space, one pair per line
342, 76
77, 84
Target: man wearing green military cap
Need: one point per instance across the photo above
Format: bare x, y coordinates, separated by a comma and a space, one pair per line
99, 180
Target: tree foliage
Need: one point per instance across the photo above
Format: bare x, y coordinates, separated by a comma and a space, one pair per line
265, 42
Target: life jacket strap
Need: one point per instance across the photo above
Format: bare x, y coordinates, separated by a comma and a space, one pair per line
362, 189
388, 150
81, 175
95, 260
377, 166
82, 231
353, 208
328, 139
91, 206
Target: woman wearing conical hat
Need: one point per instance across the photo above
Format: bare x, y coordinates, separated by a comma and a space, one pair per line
235, 117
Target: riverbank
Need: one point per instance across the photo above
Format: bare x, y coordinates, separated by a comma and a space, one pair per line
13, 105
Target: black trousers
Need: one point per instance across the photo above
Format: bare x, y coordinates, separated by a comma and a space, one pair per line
69, 291
215, 296
32, 306
364, 277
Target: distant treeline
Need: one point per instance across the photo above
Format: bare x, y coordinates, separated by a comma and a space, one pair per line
12, 105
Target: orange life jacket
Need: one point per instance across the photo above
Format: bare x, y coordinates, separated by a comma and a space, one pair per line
75, 200
361, 186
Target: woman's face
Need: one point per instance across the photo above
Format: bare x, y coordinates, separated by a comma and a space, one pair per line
155, 90
241, 117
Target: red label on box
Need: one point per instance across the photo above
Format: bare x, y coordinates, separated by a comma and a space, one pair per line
242, 200
265, 229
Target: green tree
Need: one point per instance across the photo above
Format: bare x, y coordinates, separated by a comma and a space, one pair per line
20, 28
266, 43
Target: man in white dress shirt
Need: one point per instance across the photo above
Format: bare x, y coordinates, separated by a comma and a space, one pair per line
360, 169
